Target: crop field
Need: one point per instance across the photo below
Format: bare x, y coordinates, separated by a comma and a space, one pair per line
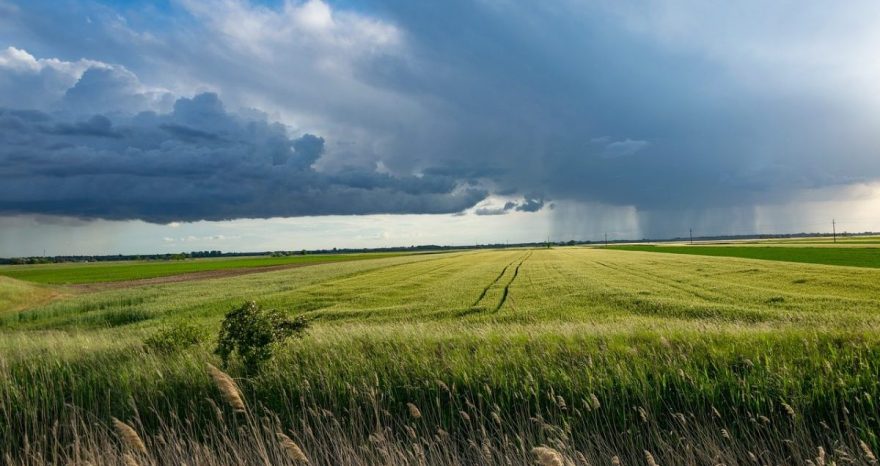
555, 355
827, 240
76, 273
848, 256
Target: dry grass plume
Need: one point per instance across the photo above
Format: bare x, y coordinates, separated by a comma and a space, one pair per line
293, 450
548, 456
414, 411
129, 436
228, 388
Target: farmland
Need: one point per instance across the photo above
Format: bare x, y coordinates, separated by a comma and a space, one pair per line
472, 357
77, 273
848, 256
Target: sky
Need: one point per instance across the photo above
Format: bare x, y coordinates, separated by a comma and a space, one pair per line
241, 125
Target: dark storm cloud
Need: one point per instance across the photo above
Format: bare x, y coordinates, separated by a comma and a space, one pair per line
196, 162
188, 134
97, 126
589, 103
495, 210
671, 108
529, 204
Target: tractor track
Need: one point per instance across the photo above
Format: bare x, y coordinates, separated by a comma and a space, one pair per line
506, 292
490, 285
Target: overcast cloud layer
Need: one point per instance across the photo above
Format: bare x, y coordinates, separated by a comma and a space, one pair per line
668, 111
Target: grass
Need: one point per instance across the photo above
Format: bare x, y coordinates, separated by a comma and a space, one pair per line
17, 295
592, 353
78, 273
847, 256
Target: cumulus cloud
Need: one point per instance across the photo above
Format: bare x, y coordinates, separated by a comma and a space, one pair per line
199, 161
28, 82
76, 87
112, 89
104, 145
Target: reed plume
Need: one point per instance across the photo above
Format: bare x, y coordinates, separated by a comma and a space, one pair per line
293, 450
649, 458
228, 388
869, 455
548, 456
129, 436
129, 460
789, 410
414, 411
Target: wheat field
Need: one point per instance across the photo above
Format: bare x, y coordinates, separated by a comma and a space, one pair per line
522, 356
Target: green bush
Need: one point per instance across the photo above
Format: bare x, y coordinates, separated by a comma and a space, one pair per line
173, 338
253, 333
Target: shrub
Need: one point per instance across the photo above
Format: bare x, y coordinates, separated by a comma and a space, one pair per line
253, 333
173, 338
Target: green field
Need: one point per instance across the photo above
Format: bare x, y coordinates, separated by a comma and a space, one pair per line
592, 352
77, 273
840, 240
848, 256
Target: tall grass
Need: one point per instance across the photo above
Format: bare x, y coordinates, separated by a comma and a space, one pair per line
348, 400
361, 437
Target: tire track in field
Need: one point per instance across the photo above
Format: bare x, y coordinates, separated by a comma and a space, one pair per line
506, 292
490, 285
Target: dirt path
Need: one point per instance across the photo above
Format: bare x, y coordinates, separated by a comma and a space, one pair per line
184, 277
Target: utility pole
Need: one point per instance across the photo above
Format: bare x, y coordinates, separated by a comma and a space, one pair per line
834, 229
606, 240
691, 232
